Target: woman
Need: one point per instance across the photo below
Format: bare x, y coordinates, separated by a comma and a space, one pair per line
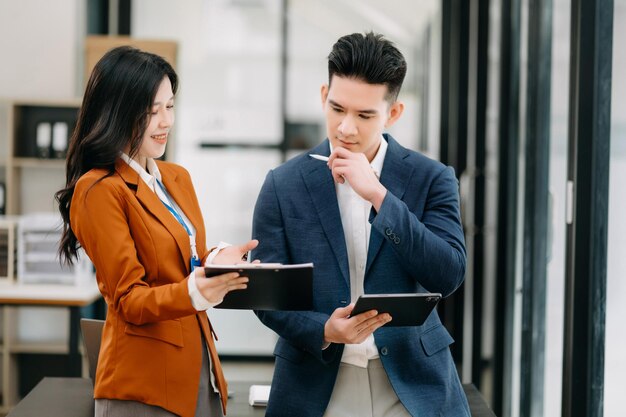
140, 223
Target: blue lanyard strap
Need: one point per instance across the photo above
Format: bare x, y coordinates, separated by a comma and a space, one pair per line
172, 210
195, 261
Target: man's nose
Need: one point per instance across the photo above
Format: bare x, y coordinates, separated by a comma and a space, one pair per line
347, 127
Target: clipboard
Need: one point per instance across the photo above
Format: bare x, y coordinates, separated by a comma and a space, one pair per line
270, 286
405, 309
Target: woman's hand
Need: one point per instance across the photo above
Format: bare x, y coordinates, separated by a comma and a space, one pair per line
214, 289
235, 254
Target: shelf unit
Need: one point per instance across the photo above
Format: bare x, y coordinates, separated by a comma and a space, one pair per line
30, 183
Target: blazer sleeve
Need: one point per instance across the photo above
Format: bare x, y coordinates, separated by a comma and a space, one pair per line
100, 221
303, 329
431, 250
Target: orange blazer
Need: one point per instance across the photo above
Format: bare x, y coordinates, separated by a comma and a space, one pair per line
151, 340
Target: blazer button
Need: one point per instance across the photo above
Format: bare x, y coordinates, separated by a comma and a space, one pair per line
384, 351
396, 240
388, 232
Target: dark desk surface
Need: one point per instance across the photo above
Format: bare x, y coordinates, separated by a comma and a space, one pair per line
73, 397
57, 397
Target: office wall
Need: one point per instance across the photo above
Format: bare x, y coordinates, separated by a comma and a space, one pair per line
313, 27
40, 58
229, 67
229, 62
40, 44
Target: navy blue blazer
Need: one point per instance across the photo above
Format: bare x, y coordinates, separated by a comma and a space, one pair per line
416, 245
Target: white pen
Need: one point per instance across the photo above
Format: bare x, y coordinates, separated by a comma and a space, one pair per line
319, 157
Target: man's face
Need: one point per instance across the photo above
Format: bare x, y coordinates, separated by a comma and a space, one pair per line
357, 114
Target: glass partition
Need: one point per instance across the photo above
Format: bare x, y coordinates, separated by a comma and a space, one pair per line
555, 285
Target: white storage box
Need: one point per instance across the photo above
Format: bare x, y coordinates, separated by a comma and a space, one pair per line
38, 237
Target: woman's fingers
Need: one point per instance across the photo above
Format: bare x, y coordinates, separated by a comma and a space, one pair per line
232, 281
215, 288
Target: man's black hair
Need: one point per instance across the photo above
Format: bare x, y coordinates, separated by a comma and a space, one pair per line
368, 57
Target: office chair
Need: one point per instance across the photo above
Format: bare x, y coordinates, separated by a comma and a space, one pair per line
92, 333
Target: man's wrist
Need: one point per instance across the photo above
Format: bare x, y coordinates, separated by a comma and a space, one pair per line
378, 198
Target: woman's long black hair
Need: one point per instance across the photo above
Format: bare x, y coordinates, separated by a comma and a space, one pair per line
114, 115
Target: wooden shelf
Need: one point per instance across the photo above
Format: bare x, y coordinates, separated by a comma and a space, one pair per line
38, 102
51, 347
21, 162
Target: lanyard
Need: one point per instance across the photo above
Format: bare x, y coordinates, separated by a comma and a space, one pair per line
195, 260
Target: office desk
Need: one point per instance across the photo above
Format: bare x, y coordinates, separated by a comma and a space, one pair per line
72, 397
66, 296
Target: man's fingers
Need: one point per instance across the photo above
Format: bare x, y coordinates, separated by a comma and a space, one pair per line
343, 312
371, 324
343, 153
339, 174
362, 317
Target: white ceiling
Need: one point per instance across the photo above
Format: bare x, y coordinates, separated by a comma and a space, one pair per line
402, 21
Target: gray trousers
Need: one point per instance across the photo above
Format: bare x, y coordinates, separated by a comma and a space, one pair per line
364, 392
208, 401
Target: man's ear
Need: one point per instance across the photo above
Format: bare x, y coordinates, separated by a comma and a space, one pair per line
395, 111
324, 94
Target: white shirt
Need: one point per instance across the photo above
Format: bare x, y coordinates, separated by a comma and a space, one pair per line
355, 213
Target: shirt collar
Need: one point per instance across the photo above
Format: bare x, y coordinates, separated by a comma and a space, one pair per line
148, 176
379, 158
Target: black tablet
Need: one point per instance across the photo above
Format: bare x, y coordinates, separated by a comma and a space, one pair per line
270, 286
405, 309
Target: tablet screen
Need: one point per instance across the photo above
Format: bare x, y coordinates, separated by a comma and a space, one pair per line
405, 309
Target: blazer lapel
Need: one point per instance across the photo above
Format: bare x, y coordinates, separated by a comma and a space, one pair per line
395, 176
153, 204
321, 188
184, 197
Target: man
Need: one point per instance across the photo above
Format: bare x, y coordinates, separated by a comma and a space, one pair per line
375, 218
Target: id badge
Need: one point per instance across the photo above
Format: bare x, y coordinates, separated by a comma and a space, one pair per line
195, 261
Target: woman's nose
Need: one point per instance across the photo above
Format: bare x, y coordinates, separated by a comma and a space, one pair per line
166, 118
